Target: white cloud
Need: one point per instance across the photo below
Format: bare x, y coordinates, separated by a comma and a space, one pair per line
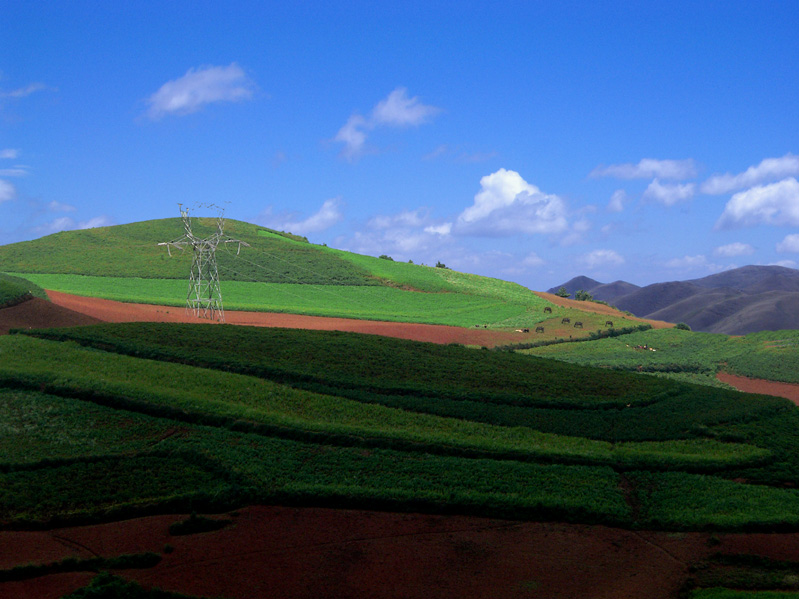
507, 204
789, 245
770, 169
669, 194
17, 171
66, 223
406, 218
786, 263
695, 263
774, 204
59, 207
533, 260
599, 258
9, 153
647, 168
734, 249
198, 87
443, 229
97, 221
324, 218
617, 201
7, 191
23, 92
396, 110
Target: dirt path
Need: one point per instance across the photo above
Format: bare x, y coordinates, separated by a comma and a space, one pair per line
742, 383
565, 302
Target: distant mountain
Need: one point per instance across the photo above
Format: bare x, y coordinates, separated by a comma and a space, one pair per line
735, 302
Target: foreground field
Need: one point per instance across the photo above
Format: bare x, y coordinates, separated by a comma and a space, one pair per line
212, 418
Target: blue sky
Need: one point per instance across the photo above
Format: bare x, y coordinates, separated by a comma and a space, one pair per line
531, 141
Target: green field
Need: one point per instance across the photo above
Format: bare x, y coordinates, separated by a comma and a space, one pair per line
699, 356
357, 420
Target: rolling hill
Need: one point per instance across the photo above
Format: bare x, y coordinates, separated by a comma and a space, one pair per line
735, 302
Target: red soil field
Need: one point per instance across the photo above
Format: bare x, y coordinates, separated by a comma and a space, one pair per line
286, 552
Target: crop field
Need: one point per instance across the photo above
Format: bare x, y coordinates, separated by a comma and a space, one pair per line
768, 355
357, 420
16, 289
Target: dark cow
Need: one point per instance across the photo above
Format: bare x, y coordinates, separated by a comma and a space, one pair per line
547, 310
565, 320
578, 325
539, 329
609, 323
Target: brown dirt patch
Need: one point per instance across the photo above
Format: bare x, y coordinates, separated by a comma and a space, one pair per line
111, 311
280, 552
742, 383
37, 313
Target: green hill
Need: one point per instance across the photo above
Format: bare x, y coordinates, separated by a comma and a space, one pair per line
277, 272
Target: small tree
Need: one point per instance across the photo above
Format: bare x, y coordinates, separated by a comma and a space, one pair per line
384, 257
583, 296
682, 326
440, 264
562, 292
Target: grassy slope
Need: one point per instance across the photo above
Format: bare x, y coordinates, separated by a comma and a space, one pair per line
768, 354
16, 289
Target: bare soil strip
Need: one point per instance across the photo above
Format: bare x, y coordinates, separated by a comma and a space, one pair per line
742, 383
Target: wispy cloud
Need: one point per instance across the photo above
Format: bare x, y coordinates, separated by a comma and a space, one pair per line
7, 191
789, 245
66, 223
23, 92
198, 87
734, 249
324, 218
617, 201
693, 264
396, 110
600, 258
59, 207
774, 204
669, 194
648, 168
769, 169
507, 204
9, 153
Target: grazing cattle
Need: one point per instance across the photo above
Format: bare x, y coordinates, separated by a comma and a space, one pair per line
609, 323
578, 325
565, 320
547, 310
525, 330
539, 329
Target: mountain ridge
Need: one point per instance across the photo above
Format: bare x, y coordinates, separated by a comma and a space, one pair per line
735, 302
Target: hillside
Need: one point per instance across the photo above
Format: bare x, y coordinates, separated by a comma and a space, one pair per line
736, 302
280, 272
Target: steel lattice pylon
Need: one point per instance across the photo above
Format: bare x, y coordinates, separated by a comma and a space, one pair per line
204, 297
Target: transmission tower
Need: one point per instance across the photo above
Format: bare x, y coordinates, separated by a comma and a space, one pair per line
204, 297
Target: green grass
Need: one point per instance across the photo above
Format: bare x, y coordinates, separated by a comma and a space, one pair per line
231, 399
16, 289
768, 354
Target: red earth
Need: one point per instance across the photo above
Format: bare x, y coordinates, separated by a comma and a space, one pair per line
288, 552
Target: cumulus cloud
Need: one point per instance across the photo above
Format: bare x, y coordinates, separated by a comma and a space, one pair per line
769, 169
598, 258
198, 87
396, 110
507, 204
7, 191
648, 168
324, 218
533, 260
734, 249
669, 194
789, 245
774, 204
